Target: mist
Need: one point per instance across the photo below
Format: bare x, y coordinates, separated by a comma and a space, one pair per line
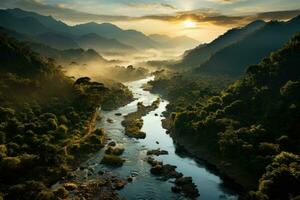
120, 67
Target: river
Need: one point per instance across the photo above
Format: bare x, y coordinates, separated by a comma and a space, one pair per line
146, 186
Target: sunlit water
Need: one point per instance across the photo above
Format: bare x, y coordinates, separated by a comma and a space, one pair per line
146, 186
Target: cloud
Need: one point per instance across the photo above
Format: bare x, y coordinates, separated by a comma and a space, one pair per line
211, 16
152, 6
278, 15
225, 1
217, 18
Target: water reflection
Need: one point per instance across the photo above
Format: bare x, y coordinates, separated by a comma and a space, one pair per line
146, 186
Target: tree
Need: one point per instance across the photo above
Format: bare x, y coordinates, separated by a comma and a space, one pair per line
281, 179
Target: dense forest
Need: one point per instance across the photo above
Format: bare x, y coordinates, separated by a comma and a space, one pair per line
251, 128
232, 52
43, 114
88, 108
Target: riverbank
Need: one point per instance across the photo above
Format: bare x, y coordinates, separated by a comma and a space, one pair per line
233, 176
76, 183
136, 171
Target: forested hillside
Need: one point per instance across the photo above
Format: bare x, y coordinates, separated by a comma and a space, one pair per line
34, 24
42, 115
199, 55
234, 59
252, 127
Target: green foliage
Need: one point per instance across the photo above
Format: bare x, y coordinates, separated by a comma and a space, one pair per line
251, 122
281, 179
61, 192
41, 112
46, 195
186, 87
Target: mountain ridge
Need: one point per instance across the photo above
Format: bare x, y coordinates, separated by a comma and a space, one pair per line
234, 59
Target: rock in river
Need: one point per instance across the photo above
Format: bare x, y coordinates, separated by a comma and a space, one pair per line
119, 184
157, 152
187, 187
112, 160
112, 143
153, 162
109, 120
157, 170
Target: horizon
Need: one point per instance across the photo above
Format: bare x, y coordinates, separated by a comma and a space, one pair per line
149, 99
202, 20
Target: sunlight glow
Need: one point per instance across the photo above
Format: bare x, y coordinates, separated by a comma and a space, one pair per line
189, 23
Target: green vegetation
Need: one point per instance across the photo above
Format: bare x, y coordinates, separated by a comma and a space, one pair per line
129, 73
118, 95
46, 121
133, 122
183, 89
114, 150
238, 48
112, 160
253, 125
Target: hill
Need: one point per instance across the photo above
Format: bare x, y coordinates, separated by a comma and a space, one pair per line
180, 42
102, 44
43, 113
129, 37
68, 56
63, 57
35, 24
26, 25
197, 56
57, 40
47, 21
250, 130
234, 59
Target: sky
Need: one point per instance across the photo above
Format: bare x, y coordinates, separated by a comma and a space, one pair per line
202, 20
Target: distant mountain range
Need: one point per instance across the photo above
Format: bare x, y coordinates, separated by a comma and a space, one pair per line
103, 37
69, 56
129, 37
197, 56
238, 48
62, 56
180, 42
101, 44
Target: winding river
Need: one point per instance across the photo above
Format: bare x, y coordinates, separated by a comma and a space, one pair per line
146, 186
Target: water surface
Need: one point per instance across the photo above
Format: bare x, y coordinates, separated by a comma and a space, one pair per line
146, 186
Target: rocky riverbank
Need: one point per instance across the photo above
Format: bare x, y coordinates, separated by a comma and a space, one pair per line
183, 185
232, 176
77, 183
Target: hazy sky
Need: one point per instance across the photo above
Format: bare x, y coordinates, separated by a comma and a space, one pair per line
200, 19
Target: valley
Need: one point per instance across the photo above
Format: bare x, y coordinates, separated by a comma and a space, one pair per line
131, 106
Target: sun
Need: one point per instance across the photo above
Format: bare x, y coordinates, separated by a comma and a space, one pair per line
189, 23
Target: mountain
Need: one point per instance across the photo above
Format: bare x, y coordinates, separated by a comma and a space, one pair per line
68, 56
34, 24
234, 59
57, 40
253, 125
27, 25
200, 54
63, 57
160, 38
180, 42
16, 35
102, 44
129, 37
47, 21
